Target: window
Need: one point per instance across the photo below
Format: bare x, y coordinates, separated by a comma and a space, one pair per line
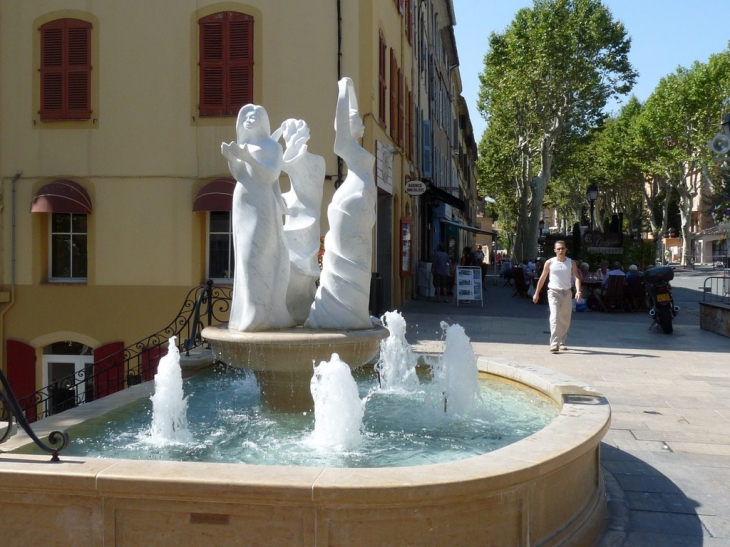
226, 63
382, 88
68, 247
393, 96
65, 70
220, 245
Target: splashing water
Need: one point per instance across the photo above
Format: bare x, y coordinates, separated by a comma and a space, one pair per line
456, 371
338, 410
397, 363
169, 407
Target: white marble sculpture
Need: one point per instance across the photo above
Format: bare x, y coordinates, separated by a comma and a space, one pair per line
262, 260
301, 227
342, 299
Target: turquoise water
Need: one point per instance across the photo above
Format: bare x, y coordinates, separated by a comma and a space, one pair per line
399, 428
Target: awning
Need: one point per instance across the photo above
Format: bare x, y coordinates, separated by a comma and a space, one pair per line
468, 228
443, 195
61, 196
215, 196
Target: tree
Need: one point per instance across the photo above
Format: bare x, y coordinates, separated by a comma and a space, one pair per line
554, 68
680, 118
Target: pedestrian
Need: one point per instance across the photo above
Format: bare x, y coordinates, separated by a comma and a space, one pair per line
558, 272
441, 273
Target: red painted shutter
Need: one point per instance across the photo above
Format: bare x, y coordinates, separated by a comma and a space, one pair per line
408, 21
240, 63
108, 369
401, 107
66, 70
211, 68
382, 88
52, 70
21, 375
393, 96
226, 63
78, 70
149, 361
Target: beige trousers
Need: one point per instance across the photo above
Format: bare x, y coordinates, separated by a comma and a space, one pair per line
561, 309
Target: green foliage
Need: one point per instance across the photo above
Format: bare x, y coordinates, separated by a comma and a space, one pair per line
545, 83
635, 251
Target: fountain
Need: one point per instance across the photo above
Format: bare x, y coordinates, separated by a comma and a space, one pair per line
544, 490
261, 335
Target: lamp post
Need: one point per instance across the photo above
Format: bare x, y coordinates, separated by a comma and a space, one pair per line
592, 195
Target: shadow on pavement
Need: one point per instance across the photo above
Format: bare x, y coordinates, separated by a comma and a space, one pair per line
645, 508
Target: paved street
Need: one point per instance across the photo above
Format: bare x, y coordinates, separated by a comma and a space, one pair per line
667, 454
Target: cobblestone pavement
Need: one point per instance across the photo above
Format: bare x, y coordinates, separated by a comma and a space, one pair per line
667, 455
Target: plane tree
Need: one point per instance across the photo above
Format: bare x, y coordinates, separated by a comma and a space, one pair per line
679, 119
552, 70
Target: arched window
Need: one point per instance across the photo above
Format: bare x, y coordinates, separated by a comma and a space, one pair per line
69, 204
216, 198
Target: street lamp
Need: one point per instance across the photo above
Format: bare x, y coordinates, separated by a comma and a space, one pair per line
592, 195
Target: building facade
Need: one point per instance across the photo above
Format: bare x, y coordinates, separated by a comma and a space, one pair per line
115, 196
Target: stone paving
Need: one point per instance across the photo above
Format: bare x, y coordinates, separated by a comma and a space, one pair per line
667, 455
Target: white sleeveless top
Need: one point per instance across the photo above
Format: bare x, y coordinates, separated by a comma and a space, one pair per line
560, 274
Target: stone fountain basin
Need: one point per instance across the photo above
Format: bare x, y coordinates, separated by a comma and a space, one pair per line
544, 490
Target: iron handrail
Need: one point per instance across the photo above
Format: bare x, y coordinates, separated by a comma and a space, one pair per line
134, 364
716, 289
58, 439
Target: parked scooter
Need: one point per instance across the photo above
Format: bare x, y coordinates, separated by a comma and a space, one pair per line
659, 296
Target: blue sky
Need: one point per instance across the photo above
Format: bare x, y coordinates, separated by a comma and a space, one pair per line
664, 34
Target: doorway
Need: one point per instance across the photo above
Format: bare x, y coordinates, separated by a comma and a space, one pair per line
67, 369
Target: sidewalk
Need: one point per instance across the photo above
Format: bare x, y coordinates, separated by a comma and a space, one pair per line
667, 455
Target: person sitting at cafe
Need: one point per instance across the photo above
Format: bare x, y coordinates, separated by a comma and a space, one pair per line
633, 275
505, 269
585, 272
616, 270
602, 270
585, 276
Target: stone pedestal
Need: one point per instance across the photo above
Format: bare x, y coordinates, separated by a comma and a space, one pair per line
283, 360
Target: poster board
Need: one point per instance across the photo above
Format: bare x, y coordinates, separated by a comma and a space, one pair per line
468, 284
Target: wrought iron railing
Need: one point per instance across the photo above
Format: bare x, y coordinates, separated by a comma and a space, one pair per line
204, 305
717, 289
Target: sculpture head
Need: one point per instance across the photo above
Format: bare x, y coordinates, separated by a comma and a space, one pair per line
252, 121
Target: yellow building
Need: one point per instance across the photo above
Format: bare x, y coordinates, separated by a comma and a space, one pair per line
114, 190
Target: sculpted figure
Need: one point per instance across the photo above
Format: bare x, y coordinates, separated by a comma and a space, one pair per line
301, 227
262, 261
342, 298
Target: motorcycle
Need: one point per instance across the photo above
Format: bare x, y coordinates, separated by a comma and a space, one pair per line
659, 297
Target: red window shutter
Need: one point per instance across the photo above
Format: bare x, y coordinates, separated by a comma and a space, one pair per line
108, 369
52, 70
78, 70
393, 96
409, 124
408, 21
66, 70
401, 107
148, 362
211, 68
226, 63
21, 375
382, 88
241, 64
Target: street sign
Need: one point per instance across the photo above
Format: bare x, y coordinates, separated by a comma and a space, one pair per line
415, 187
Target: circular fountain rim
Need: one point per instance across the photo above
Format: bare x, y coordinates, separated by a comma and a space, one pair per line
559, 463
